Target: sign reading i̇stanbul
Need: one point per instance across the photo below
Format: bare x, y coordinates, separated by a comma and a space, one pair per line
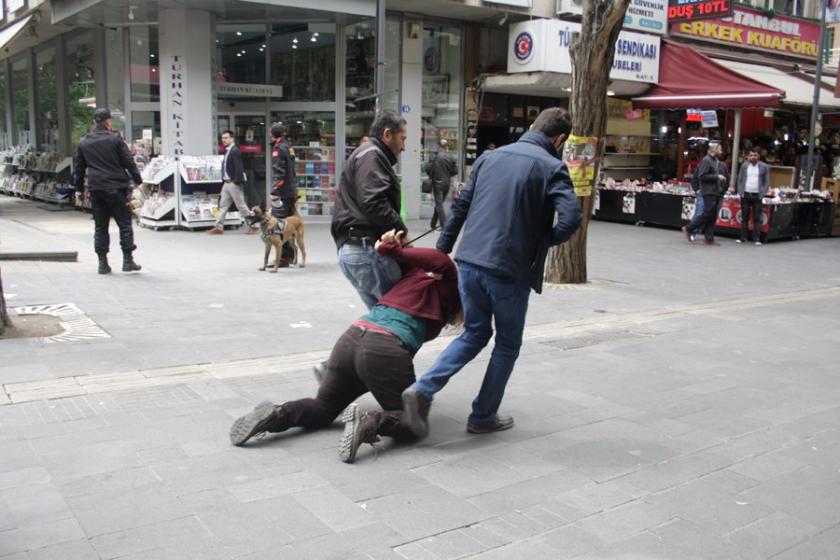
752, 29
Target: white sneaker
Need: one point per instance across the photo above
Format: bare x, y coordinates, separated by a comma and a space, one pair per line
758, 243
739, 241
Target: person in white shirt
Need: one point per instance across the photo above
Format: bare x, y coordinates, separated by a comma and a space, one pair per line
753, 183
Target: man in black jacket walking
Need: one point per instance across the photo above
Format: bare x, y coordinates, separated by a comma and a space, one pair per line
233, 189
109, 166
440, 169
711, 175
367, 205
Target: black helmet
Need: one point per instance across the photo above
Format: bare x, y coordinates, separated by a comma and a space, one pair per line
101, 115
277, 130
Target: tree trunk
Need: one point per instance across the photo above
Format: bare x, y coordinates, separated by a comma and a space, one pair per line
4, 315
592, 55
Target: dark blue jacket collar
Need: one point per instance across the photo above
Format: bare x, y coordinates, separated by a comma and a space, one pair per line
541, 140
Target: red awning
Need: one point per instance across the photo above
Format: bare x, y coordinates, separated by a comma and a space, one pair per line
690, 80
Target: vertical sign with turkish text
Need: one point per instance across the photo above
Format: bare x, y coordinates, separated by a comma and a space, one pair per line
177, 130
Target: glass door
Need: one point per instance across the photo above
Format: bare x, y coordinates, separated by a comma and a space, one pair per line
250, 134
312, 136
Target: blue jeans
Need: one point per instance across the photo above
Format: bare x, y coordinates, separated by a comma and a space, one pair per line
698, 206
484, 298
369, 272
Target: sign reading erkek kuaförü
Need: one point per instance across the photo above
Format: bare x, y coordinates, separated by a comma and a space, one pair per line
752, 29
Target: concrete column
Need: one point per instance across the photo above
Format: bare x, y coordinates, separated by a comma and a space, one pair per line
736, 147
412, 102
186, 86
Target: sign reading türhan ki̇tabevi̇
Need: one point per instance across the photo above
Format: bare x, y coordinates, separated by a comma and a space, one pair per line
542, 45
753, 29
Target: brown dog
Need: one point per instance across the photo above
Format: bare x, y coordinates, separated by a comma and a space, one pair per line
272, 235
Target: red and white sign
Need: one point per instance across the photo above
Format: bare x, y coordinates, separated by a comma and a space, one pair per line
692, 10
729, 216
753, 29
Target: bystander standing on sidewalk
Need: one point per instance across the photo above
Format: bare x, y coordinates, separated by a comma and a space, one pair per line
753, 184
440, 168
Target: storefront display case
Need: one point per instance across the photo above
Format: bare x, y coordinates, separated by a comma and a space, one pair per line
43, 176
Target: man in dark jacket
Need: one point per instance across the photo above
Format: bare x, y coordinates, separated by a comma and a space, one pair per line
233, 188
440, 169
753, 184
711, 175
108, 163
507, 211
284, 185
367, 205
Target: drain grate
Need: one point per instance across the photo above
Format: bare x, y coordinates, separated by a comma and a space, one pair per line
573, 343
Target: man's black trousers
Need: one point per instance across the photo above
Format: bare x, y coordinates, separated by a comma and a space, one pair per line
440, 197
361, 361
706, 220
106, 205
751, 202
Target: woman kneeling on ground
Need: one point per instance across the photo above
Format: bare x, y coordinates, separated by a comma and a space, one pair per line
375, 354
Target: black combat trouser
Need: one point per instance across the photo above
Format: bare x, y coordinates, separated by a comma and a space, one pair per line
106, 205
288, 253
439, 193
361, 361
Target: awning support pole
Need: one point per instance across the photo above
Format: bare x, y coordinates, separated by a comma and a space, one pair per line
815, 106
736, 148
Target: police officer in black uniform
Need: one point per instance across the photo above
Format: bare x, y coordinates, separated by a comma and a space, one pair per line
110, 171
284, 185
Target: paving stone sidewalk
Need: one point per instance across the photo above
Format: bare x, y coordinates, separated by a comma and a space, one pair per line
684, 406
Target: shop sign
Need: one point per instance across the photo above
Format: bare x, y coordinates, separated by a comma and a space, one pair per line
753, 29
580, 153
708, 119
692, 10
543, 45
232, 89
514, 3
647, 15
176, 129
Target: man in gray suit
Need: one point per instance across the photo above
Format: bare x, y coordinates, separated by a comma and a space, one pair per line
753, 183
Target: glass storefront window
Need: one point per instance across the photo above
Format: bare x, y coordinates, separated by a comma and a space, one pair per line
144, 60
442, 84
115, 62
4, 129
360, 61
303, 61
48, 136
312, 135
81, 89
20, 101
145, 134
240, 53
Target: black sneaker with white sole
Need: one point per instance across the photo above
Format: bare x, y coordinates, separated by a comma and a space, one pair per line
416, 410
254, 423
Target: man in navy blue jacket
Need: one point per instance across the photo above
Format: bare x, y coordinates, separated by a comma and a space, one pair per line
507, 211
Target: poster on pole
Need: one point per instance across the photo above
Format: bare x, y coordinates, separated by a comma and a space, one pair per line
580, 154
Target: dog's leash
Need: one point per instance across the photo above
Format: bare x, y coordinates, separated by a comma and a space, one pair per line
422, 236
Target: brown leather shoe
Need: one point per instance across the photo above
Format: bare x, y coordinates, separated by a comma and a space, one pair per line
252, 230
216, 231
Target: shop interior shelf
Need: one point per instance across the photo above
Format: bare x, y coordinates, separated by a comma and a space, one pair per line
626, 167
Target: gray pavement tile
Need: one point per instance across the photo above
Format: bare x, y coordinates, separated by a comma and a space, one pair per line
531, 549
276, 486
376, 540
23, 477
768, 466
823, 545
423, 512
368, 485
110, 512
31, 537
773, 534
333, 509
150, 537
16, 556
129, 479
80, 549
526, 493
90, 459
7, 520
598, 497
452, 544
36, 504
17, 456
624, 521
202, 473
208, 499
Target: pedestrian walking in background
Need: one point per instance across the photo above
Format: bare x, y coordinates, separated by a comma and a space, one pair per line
507, 211
110, 169
367, 205
753, 184
233, 188
711, 175
284, 191
440, 168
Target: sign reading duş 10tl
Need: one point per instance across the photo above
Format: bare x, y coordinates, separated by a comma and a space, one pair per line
752, 29
692, 10
542, 45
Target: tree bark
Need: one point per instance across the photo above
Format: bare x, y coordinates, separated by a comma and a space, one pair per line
592, 55
4, 315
